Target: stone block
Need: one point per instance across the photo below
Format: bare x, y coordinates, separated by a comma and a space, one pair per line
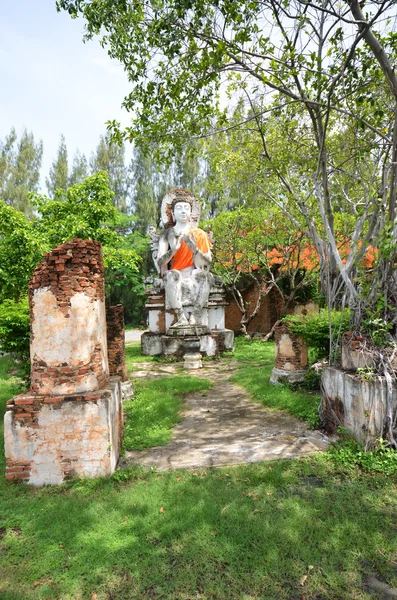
282, 375
151, 344
354, 403
79, 435
193, 361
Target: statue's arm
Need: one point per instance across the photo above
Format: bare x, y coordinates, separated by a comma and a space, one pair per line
166, 250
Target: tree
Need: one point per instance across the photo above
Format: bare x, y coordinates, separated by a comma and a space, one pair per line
58, 178
319, 72
146, 205
79, 168
20, 163
109, 157
21, 249
256, 247
328, 66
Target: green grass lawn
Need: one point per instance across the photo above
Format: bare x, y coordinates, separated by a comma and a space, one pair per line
156, 408
256, 360
289, 530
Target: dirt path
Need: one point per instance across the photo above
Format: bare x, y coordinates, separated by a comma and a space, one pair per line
225, 427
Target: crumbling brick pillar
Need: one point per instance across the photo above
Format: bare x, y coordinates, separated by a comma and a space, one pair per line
68, 324
291, 360
70, 422
116, 341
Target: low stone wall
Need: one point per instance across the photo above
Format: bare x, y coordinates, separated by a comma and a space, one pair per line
154, 344
353, 403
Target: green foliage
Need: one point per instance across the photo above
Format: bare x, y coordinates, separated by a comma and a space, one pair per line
21, 249
351, 454
58, 178
84, 210
312, 379
378, 329
20, 163
15, 327
155, 409
366, 373
315, 329
81, 211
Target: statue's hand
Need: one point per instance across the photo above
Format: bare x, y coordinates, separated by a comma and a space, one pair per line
190, 242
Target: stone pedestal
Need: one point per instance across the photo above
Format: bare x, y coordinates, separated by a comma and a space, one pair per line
164, 339
70, 421
49, 439
193, 360
291, 361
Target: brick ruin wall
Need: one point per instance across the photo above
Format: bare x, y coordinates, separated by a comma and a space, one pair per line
68, 285
116, 341
267, 316
291, 351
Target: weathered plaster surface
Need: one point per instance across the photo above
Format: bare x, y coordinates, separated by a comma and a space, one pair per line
363, 402
285, 345
71, 438
69, 338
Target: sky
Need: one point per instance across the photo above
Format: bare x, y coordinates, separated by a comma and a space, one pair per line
53, 83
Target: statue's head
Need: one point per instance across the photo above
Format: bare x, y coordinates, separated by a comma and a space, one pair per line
176, 204
181, 211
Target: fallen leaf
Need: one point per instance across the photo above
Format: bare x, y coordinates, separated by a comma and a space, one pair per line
162, 509
178, 478
303, 580
213, 532
94, 596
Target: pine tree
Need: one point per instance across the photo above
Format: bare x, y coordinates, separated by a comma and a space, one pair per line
110, 157
58, 178
20, 164
79, 168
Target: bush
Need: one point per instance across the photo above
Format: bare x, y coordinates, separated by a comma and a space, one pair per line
314, 329
15, 327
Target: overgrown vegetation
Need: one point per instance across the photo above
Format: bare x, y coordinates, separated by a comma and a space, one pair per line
318, 329
350, 454
15, 327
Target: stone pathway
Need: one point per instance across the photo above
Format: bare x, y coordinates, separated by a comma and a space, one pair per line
225, 427
134, 335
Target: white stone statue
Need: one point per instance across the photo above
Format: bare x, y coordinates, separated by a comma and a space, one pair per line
182, 254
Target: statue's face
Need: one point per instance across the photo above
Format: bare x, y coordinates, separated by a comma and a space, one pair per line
182, 212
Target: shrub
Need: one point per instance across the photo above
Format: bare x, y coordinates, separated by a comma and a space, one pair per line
15, 327
314, 329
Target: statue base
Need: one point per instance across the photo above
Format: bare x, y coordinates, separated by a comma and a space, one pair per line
189, 330
211, 343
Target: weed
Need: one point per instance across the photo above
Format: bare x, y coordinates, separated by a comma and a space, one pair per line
366, 373
350, 454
